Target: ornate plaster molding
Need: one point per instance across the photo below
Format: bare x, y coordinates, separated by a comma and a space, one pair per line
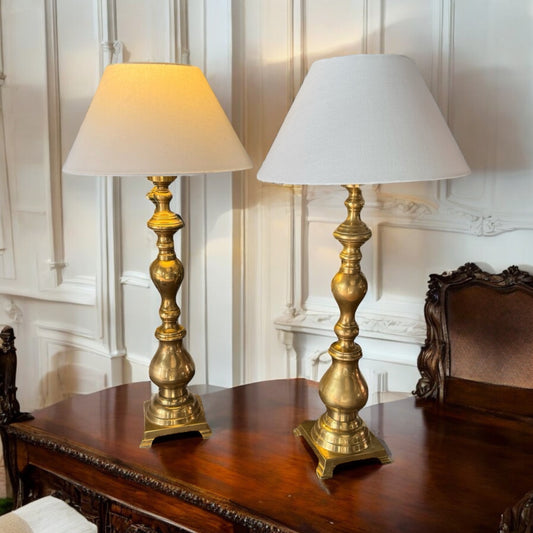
476, 223
112, 52
13, 311
384, 326
411, 207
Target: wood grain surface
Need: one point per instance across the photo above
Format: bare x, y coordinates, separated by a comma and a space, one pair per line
453, 469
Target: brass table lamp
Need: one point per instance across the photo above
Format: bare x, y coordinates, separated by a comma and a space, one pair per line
357, 120
160, 120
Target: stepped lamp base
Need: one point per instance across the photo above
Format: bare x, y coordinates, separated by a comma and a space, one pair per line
327, 461
152, 431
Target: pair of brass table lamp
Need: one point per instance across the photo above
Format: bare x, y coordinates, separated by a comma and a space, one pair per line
356, 120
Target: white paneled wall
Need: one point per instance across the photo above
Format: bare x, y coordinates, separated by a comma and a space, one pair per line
476, 59
75, 251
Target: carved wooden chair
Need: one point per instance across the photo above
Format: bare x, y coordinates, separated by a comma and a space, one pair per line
479, 352
479, 344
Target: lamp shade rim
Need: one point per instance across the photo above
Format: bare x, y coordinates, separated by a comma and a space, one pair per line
154, 172
359, 181
353, 181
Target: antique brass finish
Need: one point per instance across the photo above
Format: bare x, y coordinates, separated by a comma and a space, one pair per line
340, 435
173, 409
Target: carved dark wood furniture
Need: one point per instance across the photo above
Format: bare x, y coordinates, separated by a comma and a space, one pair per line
479, 345
453, 470
479, 353
519, 517
9, 405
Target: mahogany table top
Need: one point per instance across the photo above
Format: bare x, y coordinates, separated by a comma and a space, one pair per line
453, 470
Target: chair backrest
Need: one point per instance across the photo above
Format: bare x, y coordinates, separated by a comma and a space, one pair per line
479, 345
9, 405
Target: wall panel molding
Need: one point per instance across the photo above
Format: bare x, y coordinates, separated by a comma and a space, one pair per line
72, 361
7, 259
7, 266
373, 27
53, 189
80, 290
443, 54
483, 218
109, 264
111, 48
136, 279
297, 55
179, 32
372, 324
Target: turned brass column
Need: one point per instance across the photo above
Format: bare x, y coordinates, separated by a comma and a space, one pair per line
340, 435
173, 409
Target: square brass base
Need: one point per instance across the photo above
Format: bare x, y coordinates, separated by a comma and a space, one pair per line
327, 460
152, 431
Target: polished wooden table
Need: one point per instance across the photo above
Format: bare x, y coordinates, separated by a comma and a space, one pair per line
453, 470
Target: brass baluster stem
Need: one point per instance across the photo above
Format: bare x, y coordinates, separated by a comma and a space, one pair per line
340, 435
173, 409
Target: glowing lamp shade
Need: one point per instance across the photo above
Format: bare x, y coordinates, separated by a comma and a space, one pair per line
149, 119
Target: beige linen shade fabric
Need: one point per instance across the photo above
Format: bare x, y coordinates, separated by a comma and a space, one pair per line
157, 119
363, 119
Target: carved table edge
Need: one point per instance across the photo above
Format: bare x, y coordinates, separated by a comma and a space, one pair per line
216, 505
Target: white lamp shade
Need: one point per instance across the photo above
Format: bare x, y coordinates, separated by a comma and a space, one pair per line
155, 119
363, 119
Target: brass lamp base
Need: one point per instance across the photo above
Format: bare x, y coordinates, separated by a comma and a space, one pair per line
340, 435
327, 461
175, 421
173, 409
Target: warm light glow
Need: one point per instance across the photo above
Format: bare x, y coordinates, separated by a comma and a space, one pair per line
155, 119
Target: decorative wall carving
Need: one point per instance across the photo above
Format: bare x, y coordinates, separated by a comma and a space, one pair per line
112, 52
387, 326
13, 311
406, 206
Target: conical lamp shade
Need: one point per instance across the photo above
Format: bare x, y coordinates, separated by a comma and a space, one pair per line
363, 119
155, 119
